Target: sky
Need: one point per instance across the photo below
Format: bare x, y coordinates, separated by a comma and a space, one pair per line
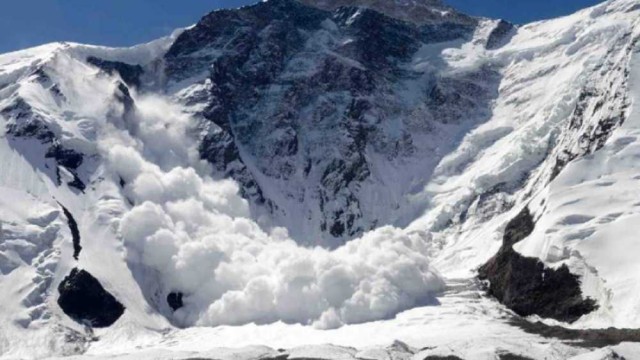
27, 23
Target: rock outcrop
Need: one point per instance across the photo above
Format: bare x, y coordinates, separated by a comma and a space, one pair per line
82, 298
526, 285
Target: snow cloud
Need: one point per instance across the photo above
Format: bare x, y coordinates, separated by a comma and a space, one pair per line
197, 235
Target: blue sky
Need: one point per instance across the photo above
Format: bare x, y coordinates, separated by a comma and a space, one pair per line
26, 23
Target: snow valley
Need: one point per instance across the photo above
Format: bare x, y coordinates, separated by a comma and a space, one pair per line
333, 179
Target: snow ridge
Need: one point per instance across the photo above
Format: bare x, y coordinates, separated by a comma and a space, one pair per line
416, 11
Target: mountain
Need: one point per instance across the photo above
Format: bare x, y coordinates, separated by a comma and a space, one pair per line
335, 93
295, 173
419, 12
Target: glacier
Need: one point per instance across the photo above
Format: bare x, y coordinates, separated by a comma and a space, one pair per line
308, 173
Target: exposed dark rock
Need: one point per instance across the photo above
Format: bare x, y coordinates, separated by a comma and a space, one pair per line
26, 123
83, 299
500, 35
378, 39
433, 33
447, 357
589, 127
526, 286
241, 27
123, 95
75, 232
560, 162
588, 338
77, 183
283, 355
174, 299
417, 12
130, 74
41, 77
68, 158
511, 356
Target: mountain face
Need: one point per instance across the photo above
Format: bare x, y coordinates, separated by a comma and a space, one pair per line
360, 167
419, 12
307, 109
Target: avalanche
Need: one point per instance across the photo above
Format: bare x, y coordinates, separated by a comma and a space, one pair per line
114, 138
194, 234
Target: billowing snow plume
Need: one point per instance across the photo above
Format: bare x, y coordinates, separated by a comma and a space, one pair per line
183, 231
197, 235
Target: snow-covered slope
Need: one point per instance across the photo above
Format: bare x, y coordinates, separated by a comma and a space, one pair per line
587, 217
567, 90
152, 222
291, 167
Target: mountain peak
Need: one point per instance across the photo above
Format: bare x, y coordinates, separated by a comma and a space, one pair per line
390, 3
416, 11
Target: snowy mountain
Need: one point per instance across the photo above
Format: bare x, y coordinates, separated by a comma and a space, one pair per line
394, 178
420, 12
308, 109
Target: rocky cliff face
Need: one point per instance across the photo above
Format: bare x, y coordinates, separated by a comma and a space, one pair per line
526, 286
309, 108
84, 299
419, 12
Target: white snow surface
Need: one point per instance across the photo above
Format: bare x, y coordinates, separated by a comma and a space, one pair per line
465, 324
249, 286
587, 217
